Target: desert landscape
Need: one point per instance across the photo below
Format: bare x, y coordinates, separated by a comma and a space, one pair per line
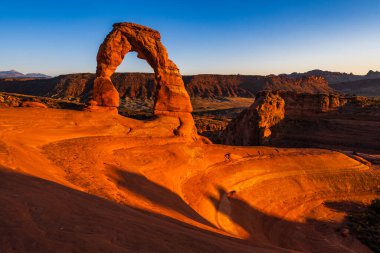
162, 162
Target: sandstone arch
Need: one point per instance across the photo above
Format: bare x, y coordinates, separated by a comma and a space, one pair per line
125, 37
171, 98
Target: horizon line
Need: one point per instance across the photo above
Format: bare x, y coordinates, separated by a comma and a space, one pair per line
193, 74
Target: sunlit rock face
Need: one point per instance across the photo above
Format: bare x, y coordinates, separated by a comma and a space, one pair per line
171, 97
252, 126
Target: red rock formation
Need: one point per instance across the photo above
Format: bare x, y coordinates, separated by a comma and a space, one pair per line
252, 126
126, 37
306, 103
171, 99
309, 104
309, 120
247, 86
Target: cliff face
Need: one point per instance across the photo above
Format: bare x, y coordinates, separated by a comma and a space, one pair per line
247, 86
142, 85
209, 86
310, 120
306, 103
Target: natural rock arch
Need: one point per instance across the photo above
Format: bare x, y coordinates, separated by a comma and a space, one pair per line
171, 98
125, 37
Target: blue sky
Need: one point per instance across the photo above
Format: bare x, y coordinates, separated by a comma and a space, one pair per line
225, 37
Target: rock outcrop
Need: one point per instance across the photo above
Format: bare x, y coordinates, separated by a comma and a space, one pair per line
252, 126
309, 120
171, 98
306, 103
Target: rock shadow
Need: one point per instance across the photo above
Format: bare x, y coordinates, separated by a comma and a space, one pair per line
38, 215
311, 236
362, 221
157, 194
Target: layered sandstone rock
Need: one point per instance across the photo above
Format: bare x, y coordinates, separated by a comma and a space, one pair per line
309, 120
247, 85
98, 183
309, 104
306, 103
252, 126
171, 99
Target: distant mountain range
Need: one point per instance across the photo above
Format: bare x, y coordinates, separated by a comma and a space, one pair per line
142, 85
330, 76
16, 74
336, 77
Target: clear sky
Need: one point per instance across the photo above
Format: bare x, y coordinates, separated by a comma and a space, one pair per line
225, 37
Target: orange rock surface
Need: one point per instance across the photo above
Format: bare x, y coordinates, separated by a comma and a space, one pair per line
99, 182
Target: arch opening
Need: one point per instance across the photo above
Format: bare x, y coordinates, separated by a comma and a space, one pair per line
132, 64
135, 82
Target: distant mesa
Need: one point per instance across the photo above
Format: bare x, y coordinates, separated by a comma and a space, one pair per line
336, 77
374, 73
16, 74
